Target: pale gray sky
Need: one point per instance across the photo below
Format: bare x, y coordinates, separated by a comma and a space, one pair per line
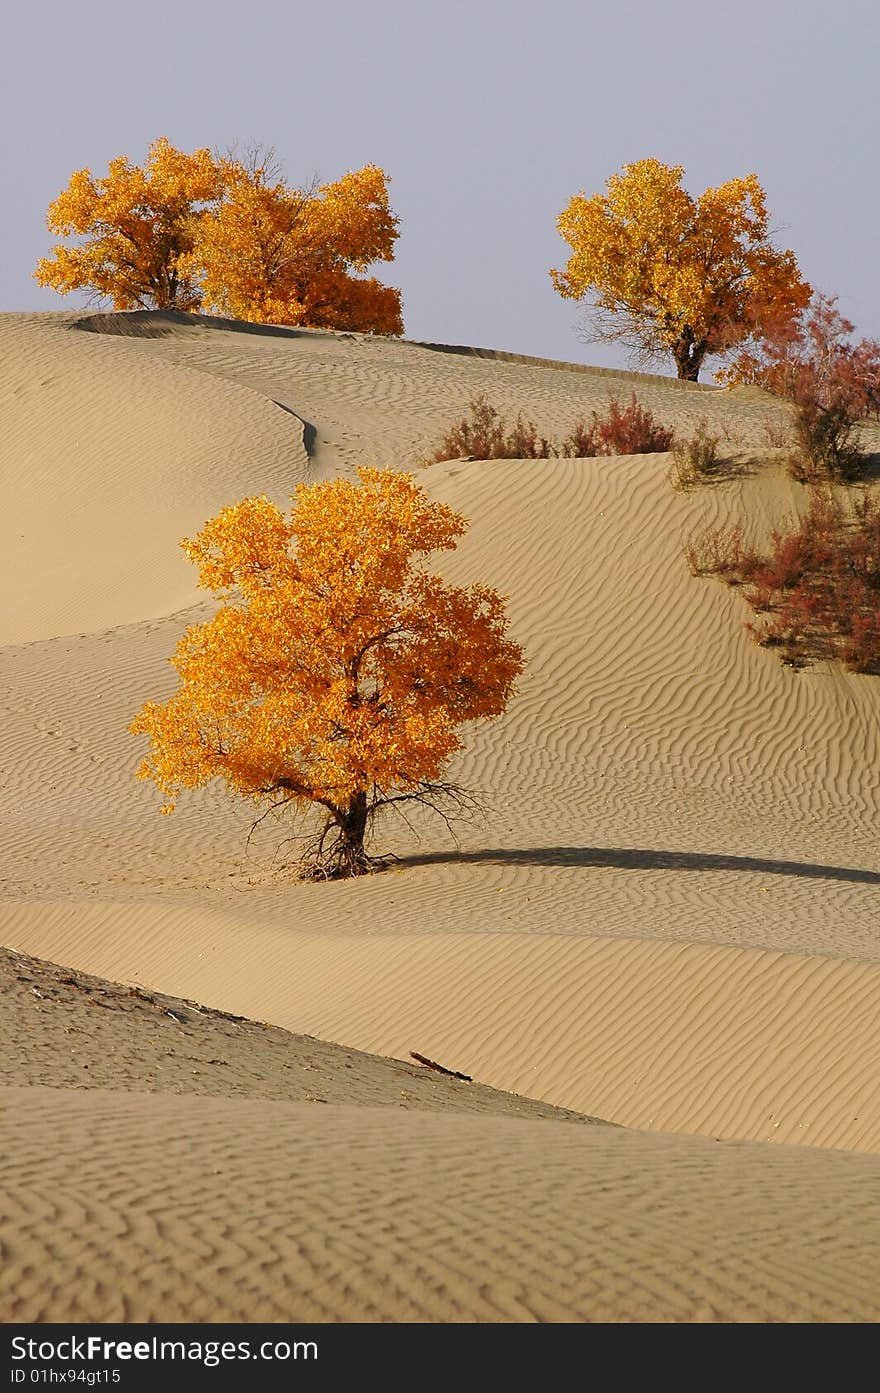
487, 116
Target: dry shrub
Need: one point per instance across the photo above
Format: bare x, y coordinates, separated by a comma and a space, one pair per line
482, 434
730, 435
818, 587
827, 443
581, 442
719, 551
523, 442
695, 459
832, 383
624, 430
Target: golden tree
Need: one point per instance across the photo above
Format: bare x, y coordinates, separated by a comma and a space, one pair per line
139, 227
228, 235
338, 670
669, 274
276, 255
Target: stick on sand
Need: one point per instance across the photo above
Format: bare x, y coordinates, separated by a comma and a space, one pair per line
432, 1064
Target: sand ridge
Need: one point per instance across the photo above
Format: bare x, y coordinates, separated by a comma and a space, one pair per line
86, 1032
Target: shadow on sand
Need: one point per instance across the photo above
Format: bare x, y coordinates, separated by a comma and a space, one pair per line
642, 859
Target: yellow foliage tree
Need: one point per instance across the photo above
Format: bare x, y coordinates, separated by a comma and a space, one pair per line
670, 274
188, 232
276, 255
139, 226
338, 670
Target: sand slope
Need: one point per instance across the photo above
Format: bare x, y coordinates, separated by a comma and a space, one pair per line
180, 1168
107, 458
669, 918
370, 1214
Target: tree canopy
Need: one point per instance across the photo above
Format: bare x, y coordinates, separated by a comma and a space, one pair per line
668, 274
138, 225
227, 235
276, 255
338, 671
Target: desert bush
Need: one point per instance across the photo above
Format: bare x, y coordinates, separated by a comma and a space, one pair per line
623, 430
817, 589
581, 442
730, 434
523, 442
483, 434
695, 459
831, 383
719, 551
826, 442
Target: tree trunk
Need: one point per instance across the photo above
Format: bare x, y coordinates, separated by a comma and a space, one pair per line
352, 859
688, 354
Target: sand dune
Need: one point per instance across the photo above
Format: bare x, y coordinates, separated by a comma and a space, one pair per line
79, 550
669, 918
180, 1168
370, 1214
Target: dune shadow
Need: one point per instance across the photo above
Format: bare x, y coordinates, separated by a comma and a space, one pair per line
732, 467
642, 859
869, 473
310, 432
157, 324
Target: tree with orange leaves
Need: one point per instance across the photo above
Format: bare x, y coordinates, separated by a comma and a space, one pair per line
337, 672
669, 274
139, 226
276, 255
187, 232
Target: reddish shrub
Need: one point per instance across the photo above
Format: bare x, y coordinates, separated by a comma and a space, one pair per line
479, 435
483, 435
523, 442
625, 430
582, 442
832, 383
818, 589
